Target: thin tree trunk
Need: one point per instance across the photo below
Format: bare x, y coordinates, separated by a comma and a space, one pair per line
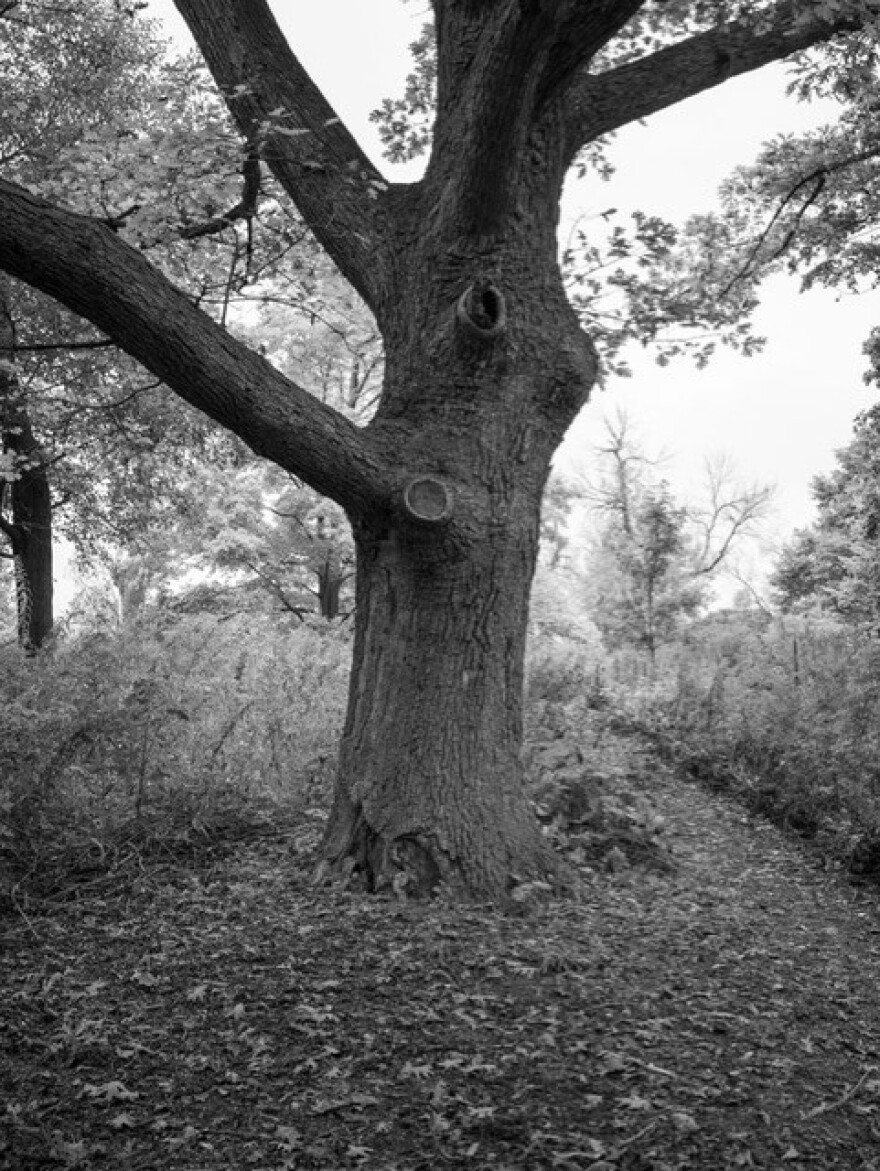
29, 530
26, 499
330, 583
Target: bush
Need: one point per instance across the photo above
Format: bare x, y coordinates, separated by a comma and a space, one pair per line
172, 732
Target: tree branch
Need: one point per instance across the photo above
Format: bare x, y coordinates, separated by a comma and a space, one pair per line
815, 179
282, 112
600, 103
50, 347
498, 65
582, 30
246, 208
83, 264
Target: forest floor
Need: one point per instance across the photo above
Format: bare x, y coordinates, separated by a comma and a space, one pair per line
721, 1011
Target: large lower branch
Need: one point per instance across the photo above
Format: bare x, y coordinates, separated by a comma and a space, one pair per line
84, 265
600, 103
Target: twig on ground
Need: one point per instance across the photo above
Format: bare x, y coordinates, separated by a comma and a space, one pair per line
619, 1148
827, 1107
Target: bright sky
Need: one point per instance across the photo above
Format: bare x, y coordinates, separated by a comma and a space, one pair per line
781, 415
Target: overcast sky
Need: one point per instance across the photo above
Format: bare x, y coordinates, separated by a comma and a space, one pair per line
781, 415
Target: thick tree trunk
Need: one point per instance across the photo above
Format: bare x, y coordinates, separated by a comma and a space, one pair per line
430, 787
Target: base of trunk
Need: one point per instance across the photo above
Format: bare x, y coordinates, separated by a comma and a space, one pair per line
415, 865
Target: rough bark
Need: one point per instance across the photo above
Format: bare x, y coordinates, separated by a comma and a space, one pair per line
485, 369
32, 547
25, 503
430, 786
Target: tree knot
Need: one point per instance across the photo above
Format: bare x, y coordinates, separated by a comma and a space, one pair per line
482, 310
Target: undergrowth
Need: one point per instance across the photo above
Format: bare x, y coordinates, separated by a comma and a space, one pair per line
178, 736
786, 719
161, 741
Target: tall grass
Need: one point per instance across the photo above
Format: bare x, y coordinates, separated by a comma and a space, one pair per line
164, 735
787, 718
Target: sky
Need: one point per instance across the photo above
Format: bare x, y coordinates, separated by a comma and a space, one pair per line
780, 415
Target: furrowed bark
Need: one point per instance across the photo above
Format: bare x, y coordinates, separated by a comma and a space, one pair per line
437, 684
496, 68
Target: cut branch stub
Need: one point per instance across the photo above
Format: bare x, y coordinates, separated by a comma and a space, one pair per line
428, 500
482, 310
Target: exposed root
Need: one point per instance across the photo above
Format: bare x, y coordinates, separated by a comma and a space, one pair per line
415, 866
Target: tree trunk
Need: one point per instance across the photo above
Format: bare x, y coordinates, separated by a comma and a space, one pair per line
430, 783
32, 553
28, 525
329, 592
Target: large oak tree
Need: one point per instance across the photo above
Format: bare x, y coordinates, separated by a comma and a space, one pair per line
486, 366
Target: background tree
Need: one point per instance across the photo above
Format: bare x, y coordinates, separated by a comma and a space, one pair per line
485, 368
835, 564
25, 505
643, 590
121, 447
654, 561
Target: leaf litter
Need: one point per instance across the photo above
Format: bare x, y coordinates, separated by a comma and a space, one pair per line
718, 1011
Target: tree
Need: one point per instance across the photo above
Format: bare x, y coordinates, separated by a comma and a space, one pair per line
654, 561
485, 368
114, 451
25, 499
835, 564
97, 78
643, 589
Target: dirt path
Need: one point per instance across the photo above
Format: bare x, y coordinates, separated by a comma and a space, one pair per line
724, 1015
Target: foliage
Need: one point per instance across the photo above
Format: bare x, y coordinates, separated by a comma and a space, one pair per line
642, 279
808, 205
836, 564
642, 589
146, 143
159, 737
591, 814
285, 538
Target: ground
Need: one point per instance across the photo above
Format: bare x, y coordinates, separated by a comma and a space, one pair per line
712, 1005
